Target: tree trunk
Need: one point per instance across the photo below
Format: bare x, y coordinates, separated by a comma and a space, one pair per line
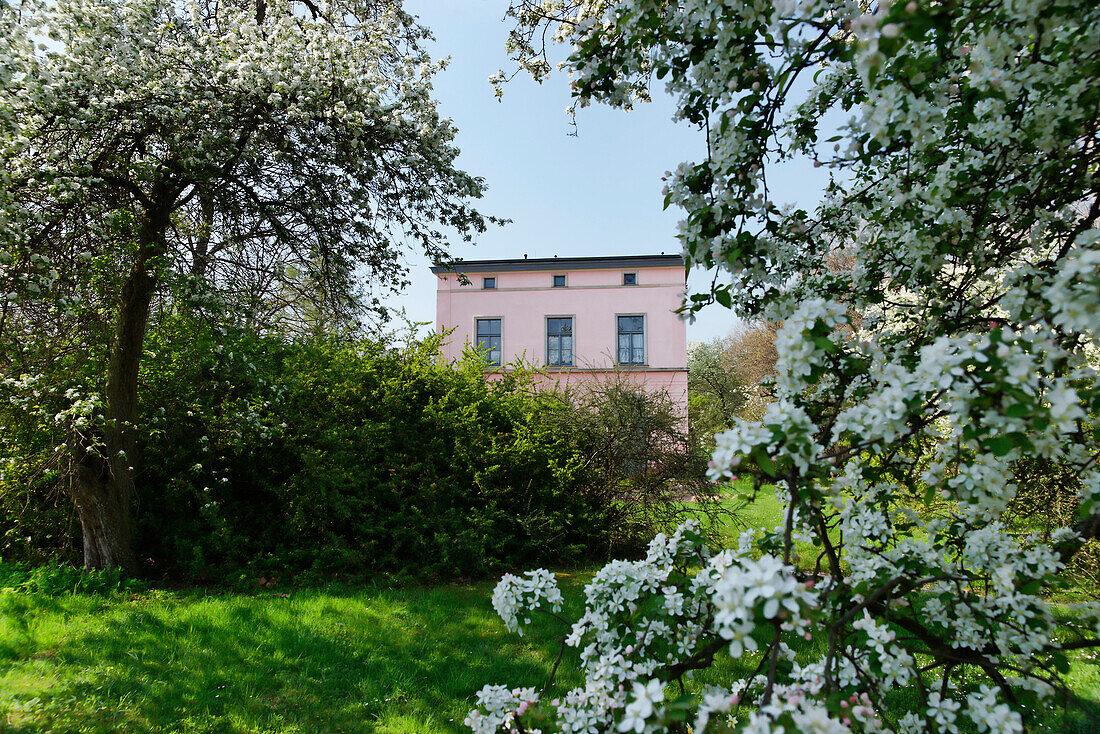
200, 258
103, 506
104, 483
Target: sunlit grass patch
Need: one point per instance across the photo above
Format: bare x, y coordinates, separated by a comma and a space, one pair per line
348, 660
398, 661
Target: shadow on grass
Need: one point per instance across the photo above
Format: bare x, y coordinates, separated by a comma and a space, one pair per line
1081, 714
319, 662
405, 661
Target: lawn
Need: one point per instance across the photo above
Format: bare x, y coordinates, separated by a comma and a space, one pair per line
315, 660
366, 660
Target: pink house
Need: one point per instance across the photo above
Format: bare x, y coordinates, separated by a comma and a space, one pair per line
581, 318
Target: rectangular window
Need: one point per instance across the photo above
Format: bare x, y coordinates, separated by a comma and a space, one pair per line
488, 284
559, 281
488, 340
631, 331
630, 279
559, 342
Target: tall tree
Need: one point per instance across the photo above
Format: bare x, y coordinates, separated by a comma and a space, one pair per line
922, 384
256, 150
716, 392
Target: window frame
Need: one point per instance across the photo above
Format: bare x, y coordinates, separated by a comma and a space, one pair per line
554, 280
643, 338
500, 339
485, 279
633, 275
572, 336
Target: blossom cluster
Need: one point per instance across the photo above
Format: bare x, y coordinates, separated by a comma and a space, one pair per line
498, 707
515, 596
938, 365
645, 619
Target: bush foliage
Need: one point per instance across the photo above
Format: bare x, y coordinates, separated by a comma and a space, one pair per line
274, 457
637, 459
61, 579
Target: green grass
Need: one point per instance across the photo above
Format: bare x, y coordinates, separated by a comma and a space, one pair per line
765, 512
321, 661
406, 660
336, 660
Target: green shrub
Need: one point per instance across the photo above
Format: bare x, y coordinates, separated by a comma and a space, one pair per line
637, 459
56, 579
267, 458
319, 457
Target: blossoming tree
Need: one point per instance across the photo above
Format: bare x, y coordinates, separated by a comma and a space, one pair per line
963, 146
251, 149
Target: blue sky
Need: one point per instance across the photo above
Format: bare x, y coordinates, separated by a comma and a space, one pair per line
598, 193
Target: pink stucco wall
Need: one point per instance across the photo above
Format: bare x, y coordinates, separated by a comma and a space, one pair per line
523, 300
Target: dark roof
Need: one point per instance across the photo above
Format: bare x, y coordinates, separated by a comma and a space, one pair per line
562, 263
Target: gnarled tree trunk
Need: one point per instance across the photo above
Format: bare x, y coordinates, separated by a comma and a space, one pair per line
102, 500
104, 485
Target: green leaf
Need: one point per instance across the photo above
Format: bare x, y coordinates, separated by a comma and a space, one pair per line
929, 495
1000, 445
1021, 440
763, 461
